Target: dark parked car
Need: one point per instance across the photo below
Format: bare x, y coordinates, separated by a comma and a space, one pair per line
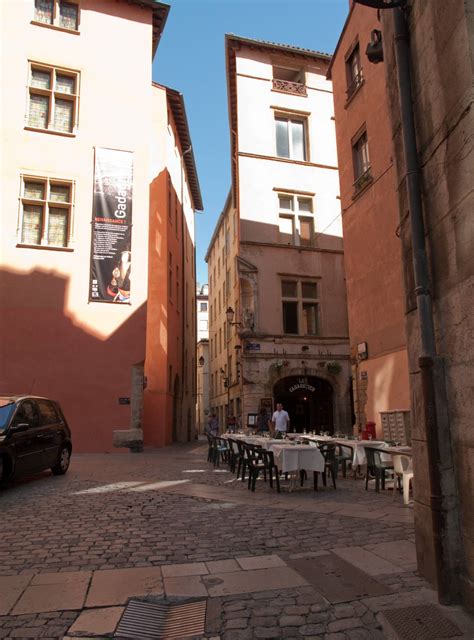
34, 436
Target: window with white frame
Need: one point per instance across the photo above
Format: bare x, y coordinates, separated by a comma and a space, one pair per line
296, 220
58, 13
46, 212
353, 70
300, 307
53, 98
290, 132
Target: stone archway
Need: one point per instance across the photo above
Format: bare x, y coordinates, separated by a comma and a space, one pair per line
309, 401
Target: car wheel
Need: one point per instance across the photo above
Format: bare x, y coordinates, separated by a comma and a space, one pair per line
63, 462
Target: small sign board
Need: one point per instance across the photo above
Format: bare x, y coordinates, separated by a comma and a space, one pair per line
252, 346
252, 419
364, 375
124, 400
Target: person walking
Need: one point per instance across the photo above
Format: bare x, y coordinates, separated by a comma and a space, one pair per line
262, 421
213, 425
280, 421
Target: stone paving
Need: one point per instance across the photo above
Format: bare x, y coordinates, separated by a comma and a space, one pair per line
165, 524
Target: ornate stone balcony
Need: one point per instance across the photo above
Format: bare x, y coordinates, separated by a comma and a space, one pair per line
287, 86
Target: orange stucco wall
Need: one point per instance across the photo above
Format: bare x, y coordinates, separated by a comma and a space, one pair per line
372, 250
53, 341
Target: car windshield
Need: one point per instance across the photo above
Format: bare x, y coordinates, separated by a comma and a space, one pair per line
6, 410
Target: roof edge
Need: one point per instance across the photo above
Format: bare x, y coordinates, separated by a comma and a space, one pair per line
227, 204
346, 23
160, 16
176, 101
264, 44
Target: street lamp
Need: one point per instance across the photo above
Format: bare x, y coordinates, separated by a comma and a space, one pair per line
229, 314
201, 361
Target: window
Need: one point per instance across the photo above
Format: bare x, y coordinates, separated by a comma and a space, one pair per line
353, 71
57, 13
170, 275
170, 197
203, 306
290, 137
46, 212
177, 287
289, 81
47, 412
53, 99
360, 155
203, 325
300, 307
296, 221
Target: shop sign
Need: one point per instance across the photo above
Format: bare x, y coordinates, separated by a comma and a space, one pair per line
302, 384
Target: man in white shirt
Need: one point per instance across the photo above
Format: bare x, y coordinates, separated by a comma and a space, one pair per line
280, 421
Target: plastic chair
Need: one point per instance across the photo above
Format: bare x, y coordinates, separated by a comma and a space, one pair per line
403, 469
221, 450
344, 456
330, 464
376, 467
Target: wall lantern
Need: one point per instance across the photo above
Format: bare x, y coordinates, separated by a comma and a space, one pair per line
229, 314
201, 361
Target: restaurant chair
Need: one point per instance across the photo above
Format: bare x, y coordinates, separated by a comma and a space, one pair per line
259, 459
330, 463
376, 467
403, 469
221, 450
344, 456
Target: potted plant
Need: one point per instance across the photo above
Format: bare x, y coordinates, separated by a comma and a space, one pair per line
333, 367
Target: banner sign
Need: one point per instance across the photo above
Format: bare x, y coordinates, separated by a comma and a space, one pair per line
111, 257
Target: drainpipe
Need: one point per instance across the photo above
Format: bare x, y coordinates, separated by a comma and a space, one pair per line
428, 358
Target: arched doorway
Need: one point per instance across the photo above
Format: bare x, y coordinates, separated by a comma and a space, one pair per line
308, 400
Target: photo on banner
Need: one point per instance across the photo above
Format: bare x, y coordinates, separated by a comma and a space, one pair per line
111, 256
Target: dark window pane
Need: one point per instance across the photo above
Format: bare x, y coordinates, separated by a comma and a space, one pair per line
59, 193
68, 14
34, 190
282, 141
290, 317
32, 223
44, 11
39, 109
65, 84
27, 413
309, 290
289, 289
40, 79
57, 227
310, 318
63, 111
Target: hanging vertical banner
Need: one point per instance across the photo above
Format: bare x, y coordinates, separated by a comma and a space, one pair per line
111, 258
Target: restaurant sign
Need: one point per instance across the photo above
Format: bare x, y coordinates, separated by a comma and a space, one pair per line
302, 384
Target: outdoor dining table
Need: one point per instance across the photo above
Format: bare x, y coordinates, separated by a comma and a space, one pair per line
293, 458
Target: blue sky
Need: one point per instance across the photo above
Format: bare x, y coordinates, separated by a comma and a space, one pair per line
190, 58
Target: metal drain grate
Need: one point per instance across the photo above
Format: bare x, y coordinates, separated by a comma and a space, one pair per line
424, 622
151, 621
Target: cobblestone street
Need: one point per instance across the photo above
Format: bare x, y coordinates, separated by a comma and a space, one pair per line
180, 528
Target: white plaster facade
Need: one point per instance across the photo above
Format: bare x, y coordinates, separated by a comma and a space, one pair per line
252, 255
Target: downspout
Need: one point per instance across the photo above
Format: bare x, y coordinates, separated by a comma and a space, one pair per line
428, 358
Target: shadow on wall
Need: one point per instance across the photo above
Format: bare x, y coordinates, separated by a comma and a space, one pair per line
43, 352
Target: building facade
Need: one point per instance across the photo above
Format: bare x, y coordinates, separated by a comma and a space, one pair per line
76, 208
202, 358
278, 322
441, 57
371, 229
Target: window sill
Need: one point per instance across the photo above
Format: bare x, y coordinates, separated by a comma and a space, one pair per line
48, 247
358, 191
350, 98
65, 134
55, 27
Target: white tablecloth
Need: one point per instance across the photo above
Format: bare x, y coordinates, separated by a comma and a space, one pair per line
290, 458
357, 446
